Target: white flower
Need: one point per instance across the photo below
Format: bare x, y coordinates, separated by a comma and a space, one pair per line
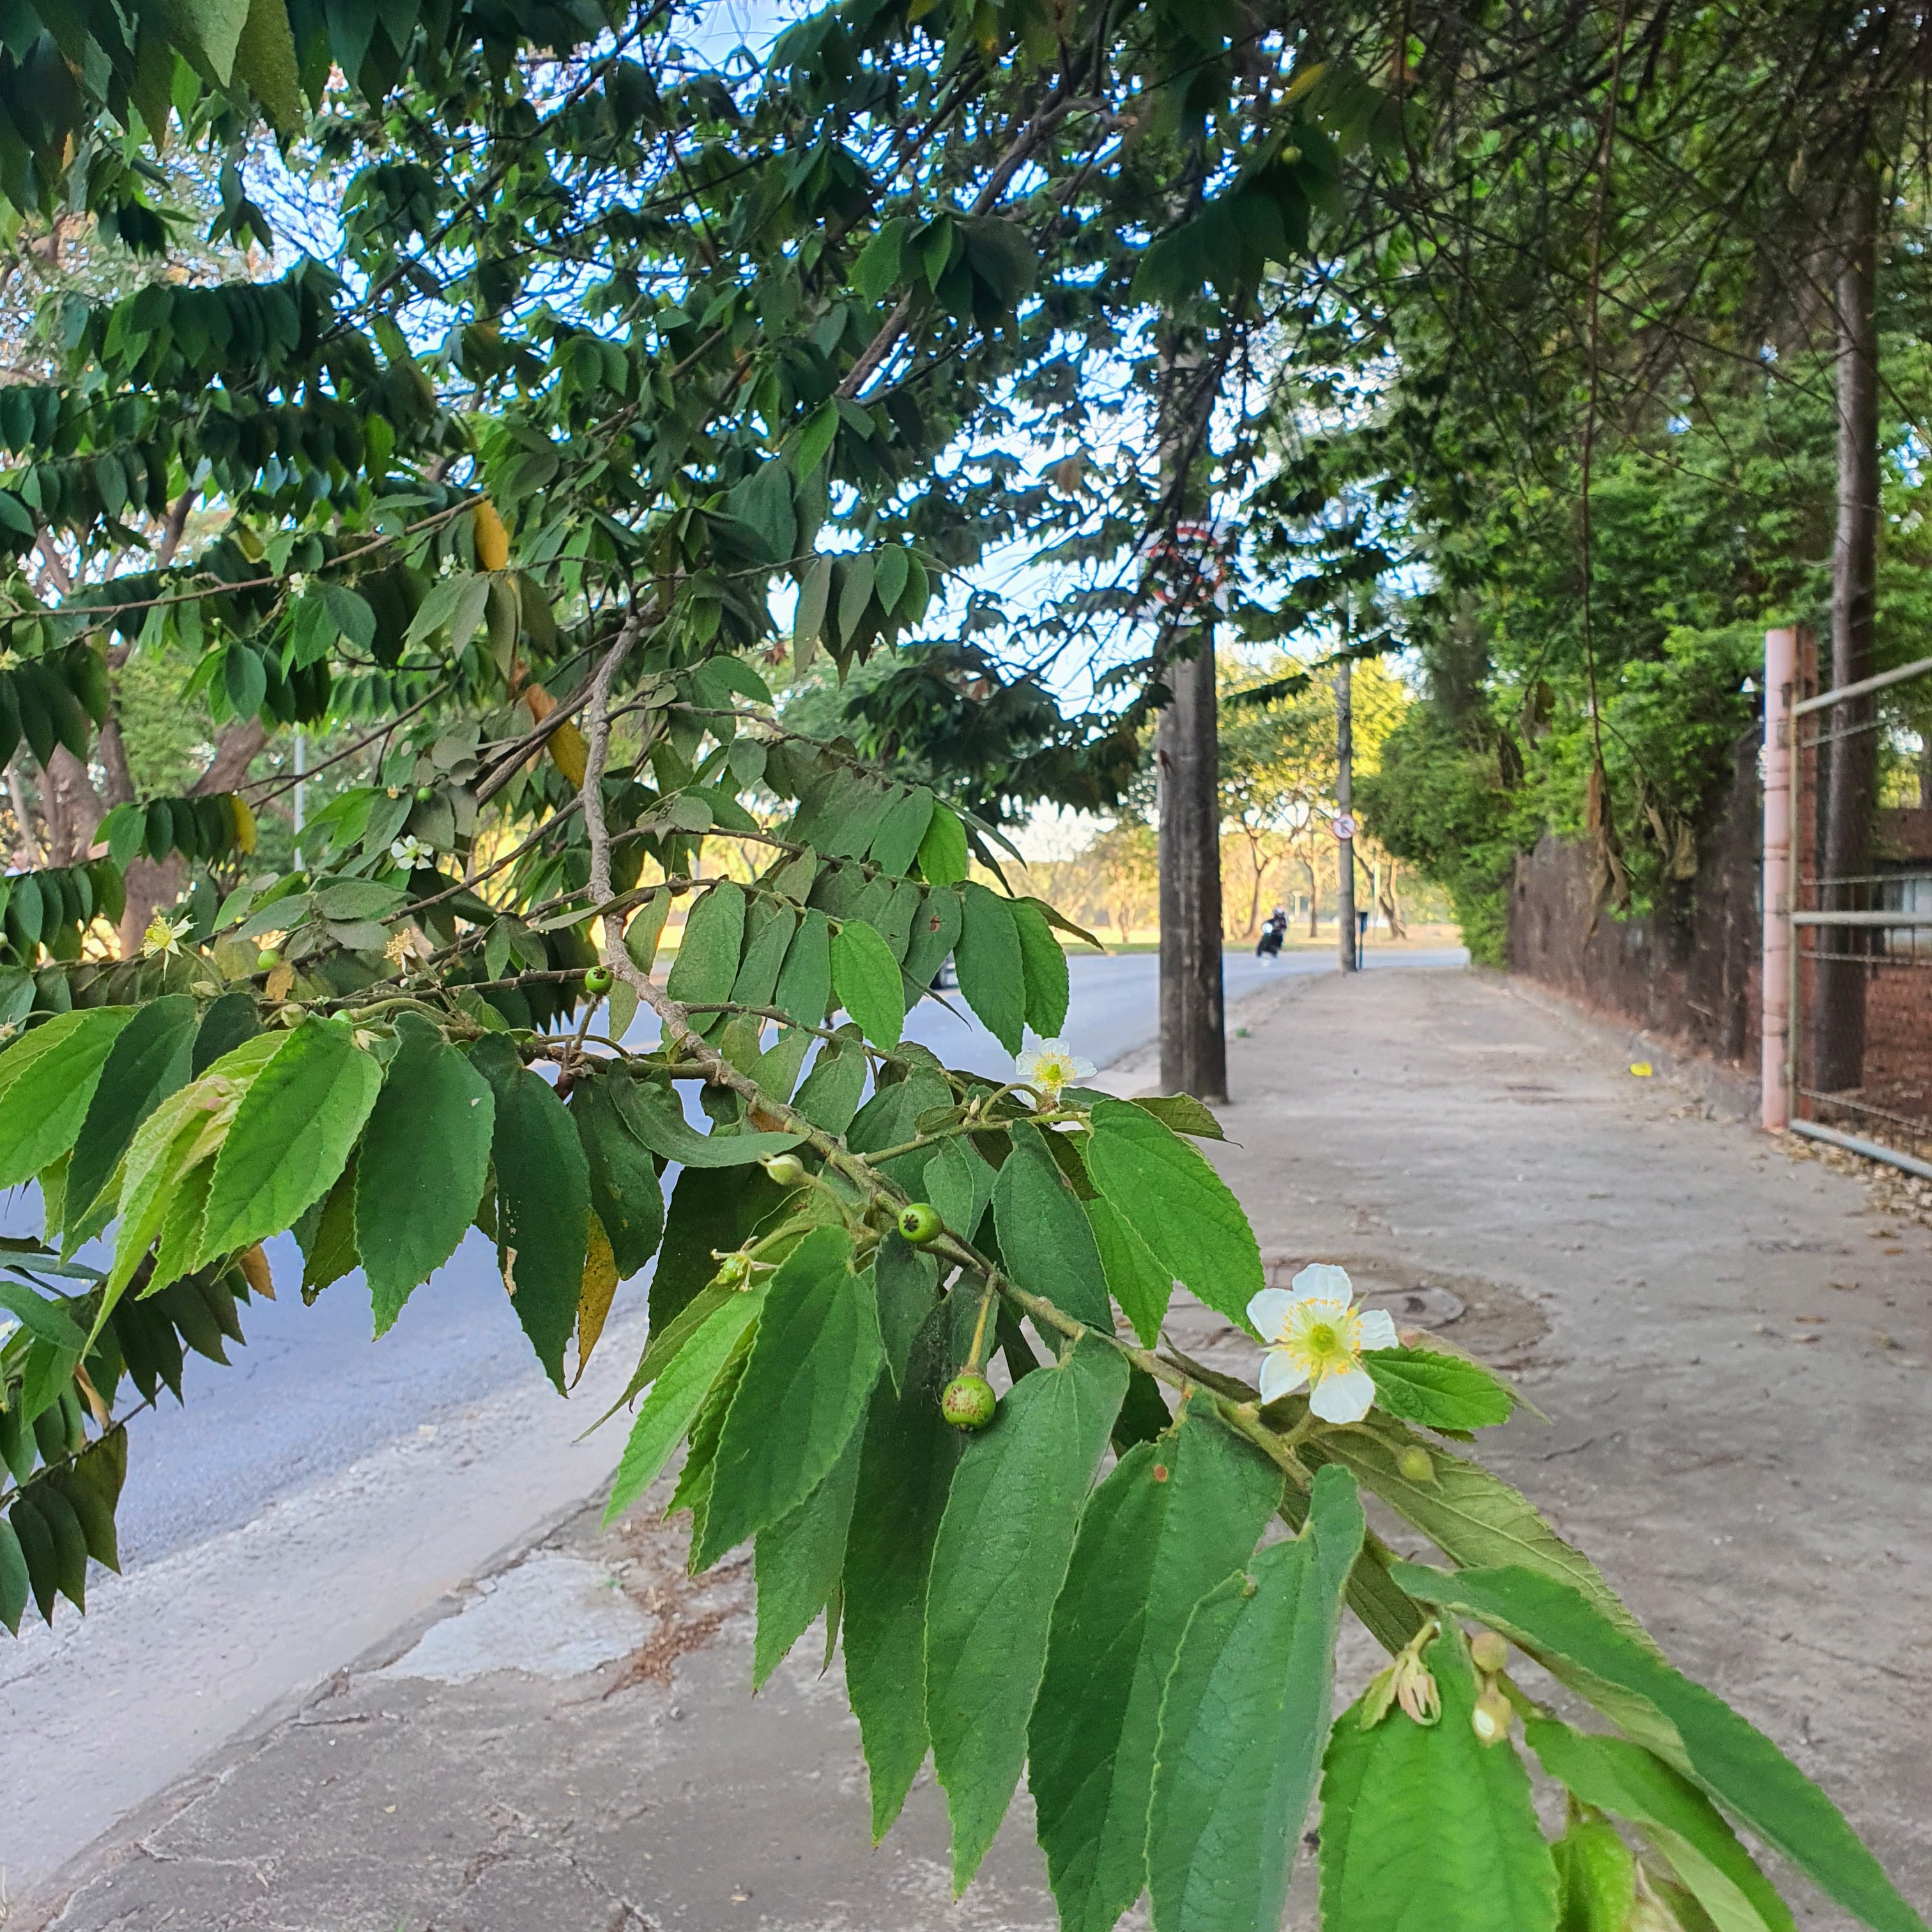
1050, 1066
165, 935
1316, 1335
411, 852
405, 945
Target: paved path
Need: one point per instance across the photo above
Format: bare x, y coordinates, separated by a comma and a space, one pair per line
1733, 1347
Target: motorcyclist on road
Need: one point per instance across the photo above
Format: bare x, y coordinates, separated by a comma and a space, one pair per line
1273, 931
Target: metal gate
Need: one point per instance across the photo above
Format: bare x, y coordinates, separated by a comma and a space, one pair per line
1848, 1046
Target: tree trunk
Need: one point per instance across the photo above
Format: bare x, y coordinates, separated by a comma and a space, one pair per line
1314, 887
1193, 1051
1851, 774
1345, 800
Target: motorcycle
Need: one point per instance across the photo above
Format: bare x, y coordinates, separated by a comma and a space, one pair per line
1273, 933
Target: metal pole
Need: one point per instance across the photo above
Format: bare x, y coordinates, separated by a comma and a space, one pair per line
1780, 677
1346, 942
299, 744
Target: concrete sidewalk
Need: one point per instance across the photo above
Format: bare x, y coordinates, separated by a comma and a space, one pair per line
1733, 1345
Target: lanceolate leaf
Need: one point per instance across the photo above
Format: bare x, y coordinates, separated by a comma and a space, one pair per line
652, 1114
1140, 1284
46, 1081
1043, 963
805, 1389
1437, 1390
991, 968
1175, 1516
290, 1136
1001, 1555
943, 859
1166, 1193
797, 1560
866, 977
421, 1166
1045, 1236
676, 1397
625, 1195
904, 1472
707, 965
151, 1057
543, 1202
1684, 1723
1424, 1825
1680, 1822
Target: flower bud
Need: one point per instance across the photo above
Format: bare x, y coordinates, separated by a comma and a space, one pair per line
787, 1169
1416, 1690
1490, 1719
733, 1271
1415, 1465
1489, 1652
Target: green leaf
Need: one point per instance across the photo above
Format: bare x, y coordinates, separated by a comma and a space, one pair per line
1043, 966
1596, 1877
866, 977
1001, 1557
677, 1393
895, 844
1683, 1723
942, 857
797, 1561
1164, 1190
1475, 1519
1437, 1390
1044, 1236
230, 1021
1171, 1521
905, 1470
264, 59
47, 1319
707, 965
15, 1585
543, 1201
47, 1082
290, 1136
935, 931
1183, 1113
423, 1162
625, 1195
877, 268
215, 26
815, 439
768, 936
811, 1370
855, 596
1138, 1282
653, 1114
1242, 1723
151, 1058
711, 1209
1425, 1825
890, 1118
991, 968
906, 1280
829, 1094
328, 1246
1680, 1822
804, 988
959, 1183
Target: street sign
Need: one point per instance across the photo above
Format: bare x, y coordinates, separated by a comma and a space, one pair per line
1343, 825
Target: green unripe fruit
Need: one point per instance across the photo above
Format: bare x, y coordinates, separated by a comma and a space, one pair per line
1489, 1652
787, 1169
425, 793
597, 980
267, 960
733, 1271
969, 1401
920, 1224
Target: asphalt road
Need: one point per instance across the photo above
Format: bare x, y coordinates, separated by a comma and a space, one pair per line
311, 1392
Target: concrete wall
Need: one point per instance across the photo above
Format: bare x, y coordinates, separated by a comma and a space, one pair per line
1689, 972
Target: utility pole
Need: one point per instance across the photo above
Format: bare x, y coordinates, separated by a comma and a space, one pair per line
1345, 828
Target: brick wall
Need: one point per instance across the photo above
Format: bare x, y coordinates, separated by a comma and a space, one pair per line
1689, 971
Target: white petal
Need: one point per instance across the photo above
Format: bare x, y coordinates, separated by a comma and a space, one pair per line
1347, 1397
1379, 1329
1268, 1310
1323, 1278
1280, 1376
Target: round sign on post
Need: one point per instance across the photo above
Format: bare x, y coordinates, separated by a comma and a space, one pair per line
1343, 825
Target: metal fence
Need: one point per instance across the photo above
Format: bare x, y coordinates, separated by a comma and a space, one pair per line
1855, 944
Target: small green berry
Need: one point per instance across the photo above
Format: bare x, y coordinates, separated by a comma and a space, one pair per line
597, 980
920, 1224
425, 793
787, 1169
969, 1401
267, 960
